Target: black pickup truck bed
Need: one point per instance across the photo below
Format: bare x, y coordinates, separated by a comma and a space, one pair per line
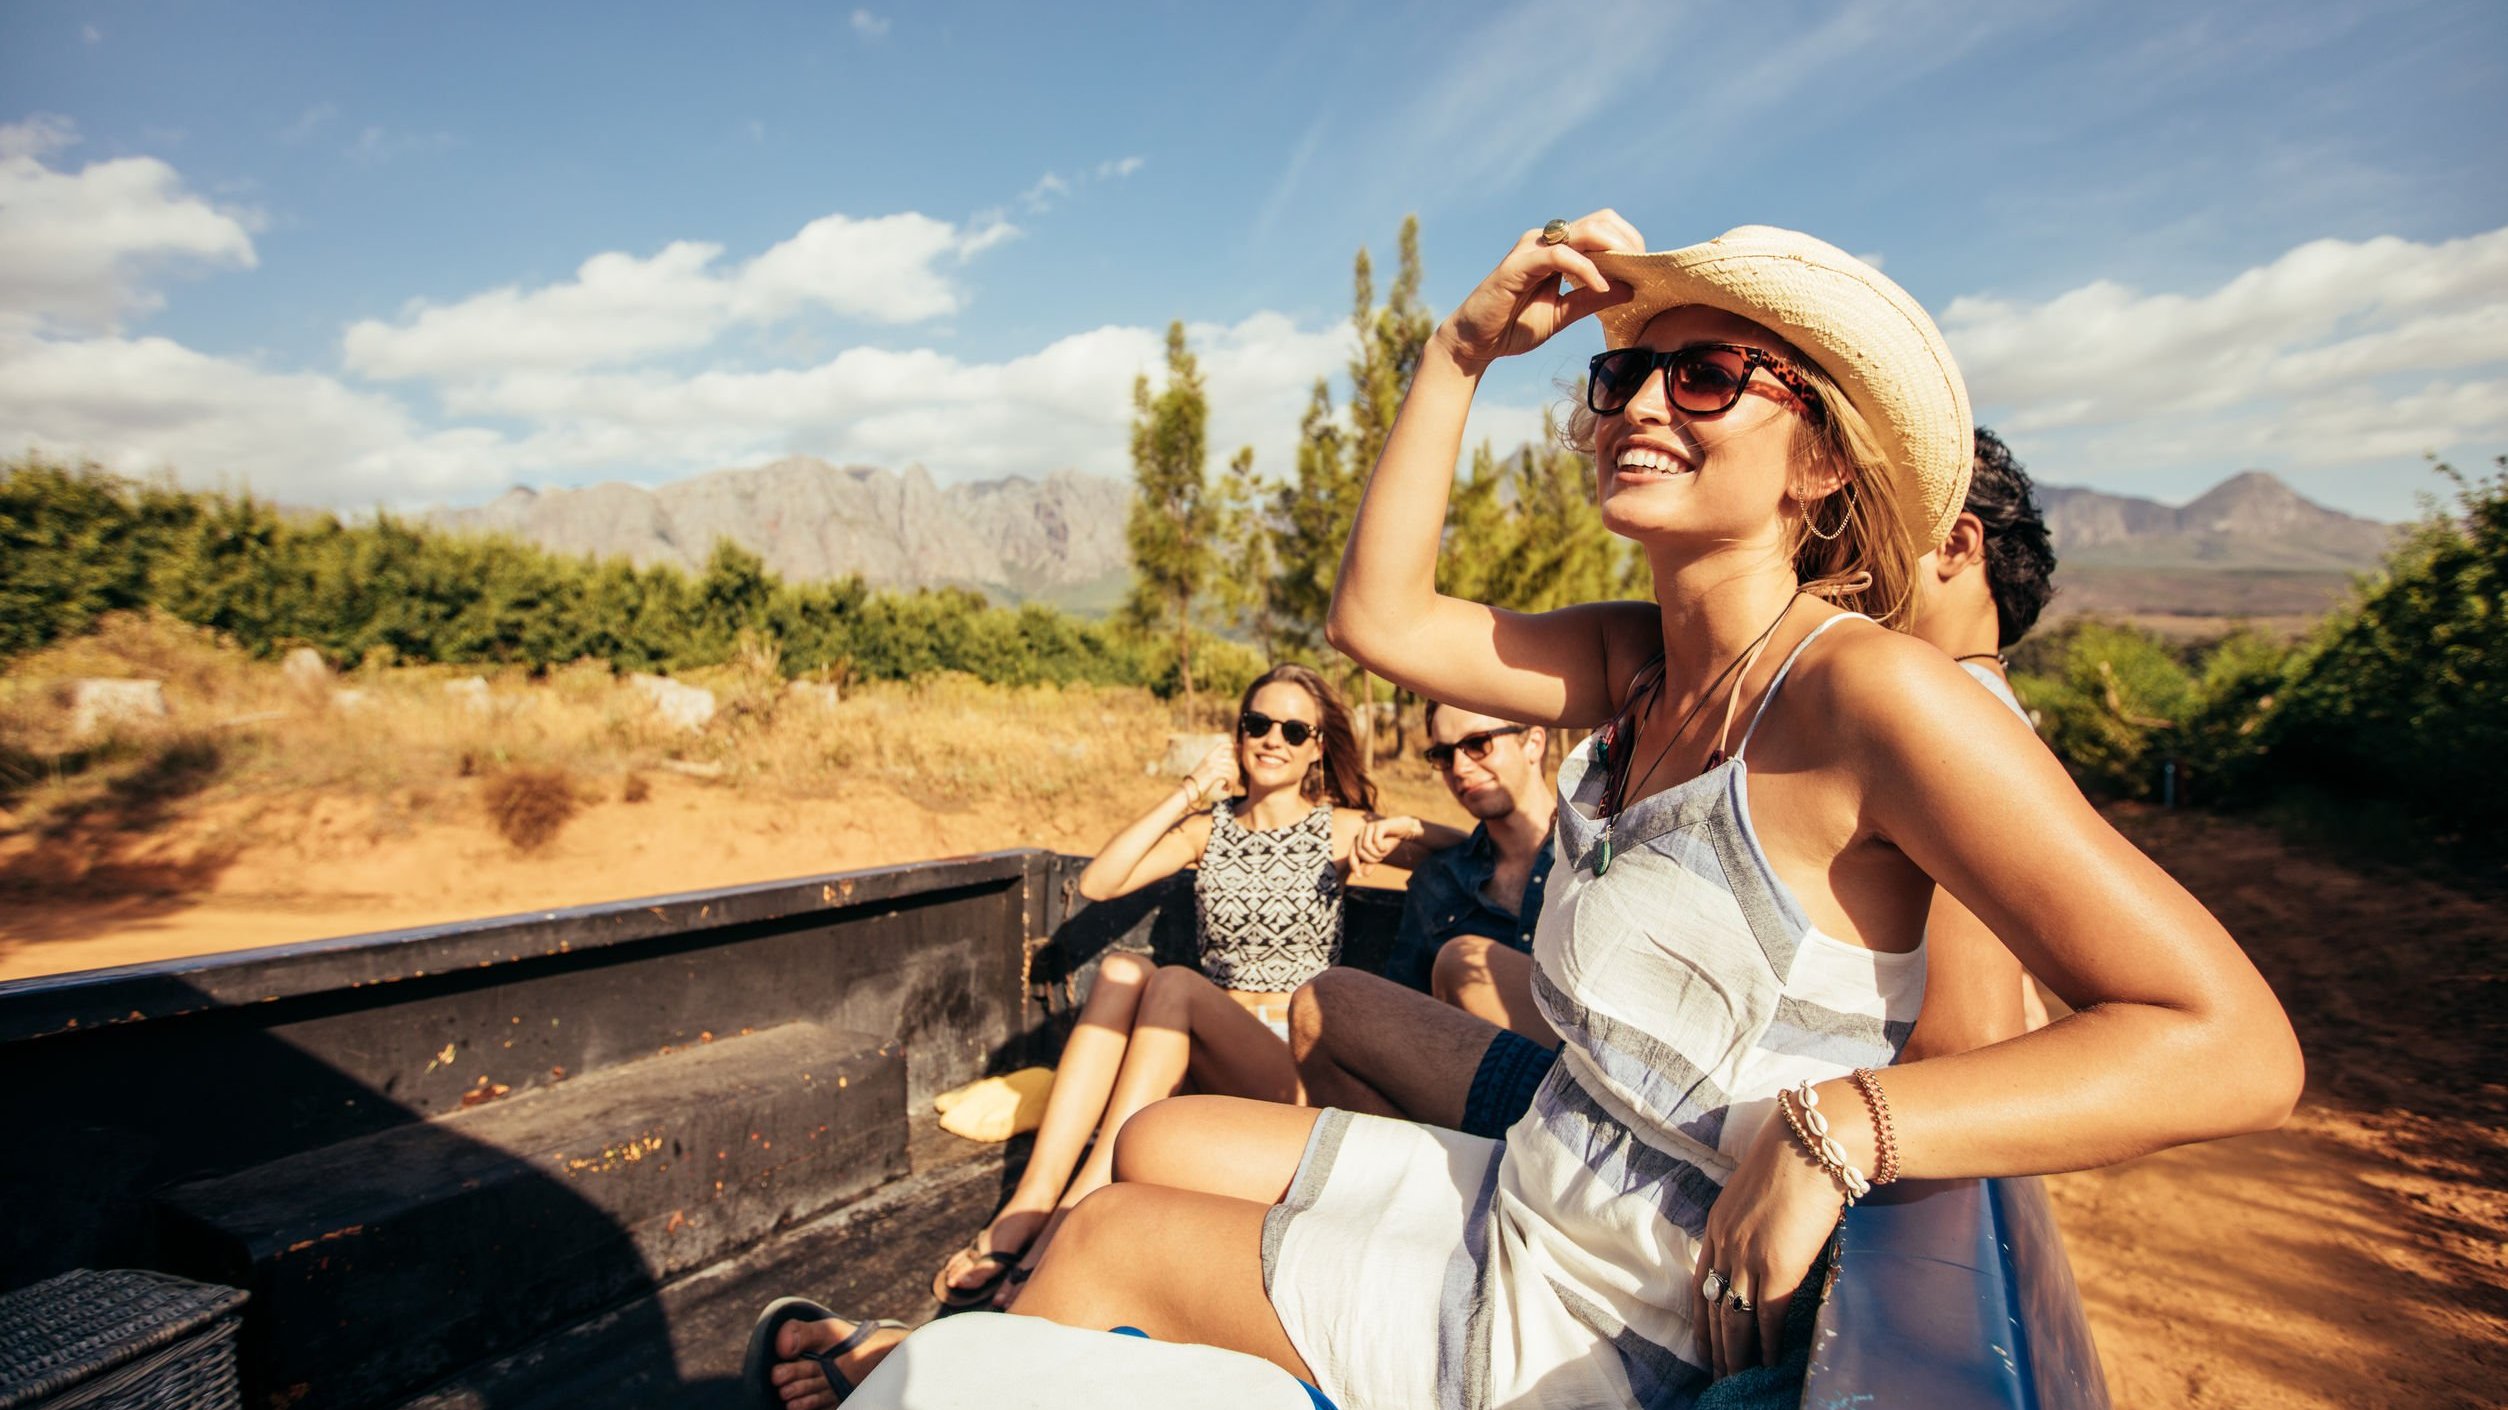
560, 1159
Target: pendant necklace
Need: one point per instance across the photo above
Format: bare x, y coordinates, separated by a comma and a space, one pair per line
1616, 791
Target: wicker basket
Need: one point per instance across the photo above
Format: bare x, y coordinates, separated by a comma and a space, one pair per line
122, 1339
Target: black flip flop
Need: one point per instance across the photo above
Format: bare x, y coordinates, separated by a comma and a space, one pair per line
958, 1297
757, 1370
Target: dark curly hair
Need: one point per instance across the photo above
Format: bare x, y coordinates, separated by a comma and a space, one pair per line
2020, 558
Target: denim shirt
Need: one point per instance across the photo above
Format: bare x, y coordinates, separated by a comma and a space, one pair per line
1446, 899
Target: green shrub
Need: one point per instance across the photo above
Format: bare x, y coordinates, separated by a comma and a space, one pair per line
76, 543
2402, 696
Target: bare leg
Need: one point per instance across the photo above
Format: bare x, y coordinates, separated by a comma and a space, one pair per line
1491, 980
1180, 1265
1186, 1026
1231, 1146
1370, 1045
1082, 1082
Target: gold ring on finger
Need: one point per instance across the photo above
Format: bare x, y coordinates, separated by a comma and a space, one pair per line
1555, 233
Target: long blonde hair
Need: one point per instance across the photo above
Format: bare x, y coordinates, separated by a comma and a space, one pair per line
1853, 546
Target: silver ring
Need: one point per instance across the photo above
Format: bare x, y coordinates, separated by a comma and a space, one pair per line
1714, 1287
1554, 232
1738, 1302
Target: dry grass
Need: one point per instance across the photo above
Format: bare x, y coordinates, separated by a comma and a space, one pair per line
408, 737
527, 806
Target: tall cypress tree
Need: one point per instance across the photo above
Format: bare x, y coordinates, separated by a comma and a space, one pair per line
1174, 521
1311, 520
1243, 579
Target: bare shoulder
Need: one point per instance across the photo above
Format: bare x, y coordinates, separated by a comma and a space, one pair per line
1888, 693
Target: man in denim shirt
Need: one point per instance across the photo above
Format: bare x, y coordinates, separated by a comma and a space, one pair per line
1488, 889
1468, 1056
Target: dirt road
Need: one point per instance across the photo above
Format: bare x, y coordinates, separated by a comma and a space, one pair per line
2354, 1258
2358, 1256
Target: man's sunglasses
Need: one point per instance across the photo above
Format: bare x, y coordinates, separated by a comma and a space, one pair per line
1441, 756
1703, 379
1254, 724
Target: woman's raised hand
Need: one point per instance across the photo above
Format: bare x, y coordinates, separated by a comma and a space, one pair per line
1521, 304
1378, 837
1215, 774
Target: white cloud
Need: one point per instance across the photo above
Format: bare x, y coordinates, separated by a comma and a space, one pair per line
2336, 352
1118, 168
590, 375
868, 25
1067, 404
621, 309
91, 34
78, 250
146, 405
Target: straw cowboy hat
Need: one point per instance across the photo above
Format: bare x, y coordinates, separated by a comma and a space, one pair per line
1873, 340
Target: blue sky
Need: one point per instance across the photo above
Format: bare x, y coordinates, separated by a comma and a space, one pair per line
395, 254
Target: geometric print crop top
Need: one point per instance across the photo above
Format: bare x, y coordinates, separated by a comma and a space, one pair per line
1268, 903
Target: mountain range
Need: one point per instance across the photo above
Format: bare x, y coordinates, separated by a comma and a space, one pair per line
2249, 545
1058, 540
2250, 521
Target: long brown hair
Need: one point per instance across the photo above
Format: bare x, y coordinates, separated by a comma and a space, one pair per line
1338, 775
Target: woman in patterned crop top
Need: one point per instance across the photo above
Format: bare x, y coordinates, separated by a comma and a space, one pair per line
1275, 821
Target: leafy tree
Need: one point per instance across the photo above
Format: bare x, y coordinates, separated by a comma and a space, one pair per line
1174, 520
2403, 695
1311, 522
1243, 580
1523, 533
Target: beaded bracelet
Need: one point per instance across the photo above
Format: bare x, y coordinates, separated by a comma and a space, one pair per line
1884, 1141
1802, 1114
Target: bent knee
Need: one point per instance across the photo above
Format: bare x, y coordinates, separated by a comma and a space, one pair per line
1170, 993
1461, 962
1125, 967
1154, 1138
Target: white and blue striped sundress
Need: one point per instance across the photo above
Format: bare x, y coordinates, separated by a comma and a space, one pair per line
1413, 1266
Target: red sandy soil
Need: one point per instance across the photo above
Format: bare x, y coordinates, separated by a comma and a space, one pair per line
2353, 1258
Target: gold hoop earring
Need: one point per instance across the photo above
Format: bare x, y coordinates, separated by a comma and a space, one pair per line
1833, 535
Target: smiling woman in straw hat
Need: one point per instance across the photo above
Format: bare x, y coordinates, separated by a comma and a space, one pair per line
1731, 947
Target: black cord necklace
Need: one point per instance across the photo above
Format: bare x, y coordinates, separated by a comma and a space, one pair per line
1994, 656
1616, 792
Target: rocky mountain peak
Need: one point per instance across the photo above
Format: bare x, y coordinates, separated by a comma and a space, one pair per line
810, 520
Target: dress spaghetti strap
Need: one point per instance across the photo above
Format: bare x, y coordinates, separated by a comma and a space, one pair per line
1779, 679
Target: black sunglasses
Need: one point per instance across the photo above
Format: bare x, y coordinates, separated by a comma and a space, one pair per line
1441, 756
1254, 724
1703, 379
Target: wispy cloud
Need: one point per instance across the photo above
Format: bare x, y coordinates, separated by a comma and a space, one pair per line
1118, 168
868, 25
377, 145
308, 122
1488, 110
91, 34
1042, 196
